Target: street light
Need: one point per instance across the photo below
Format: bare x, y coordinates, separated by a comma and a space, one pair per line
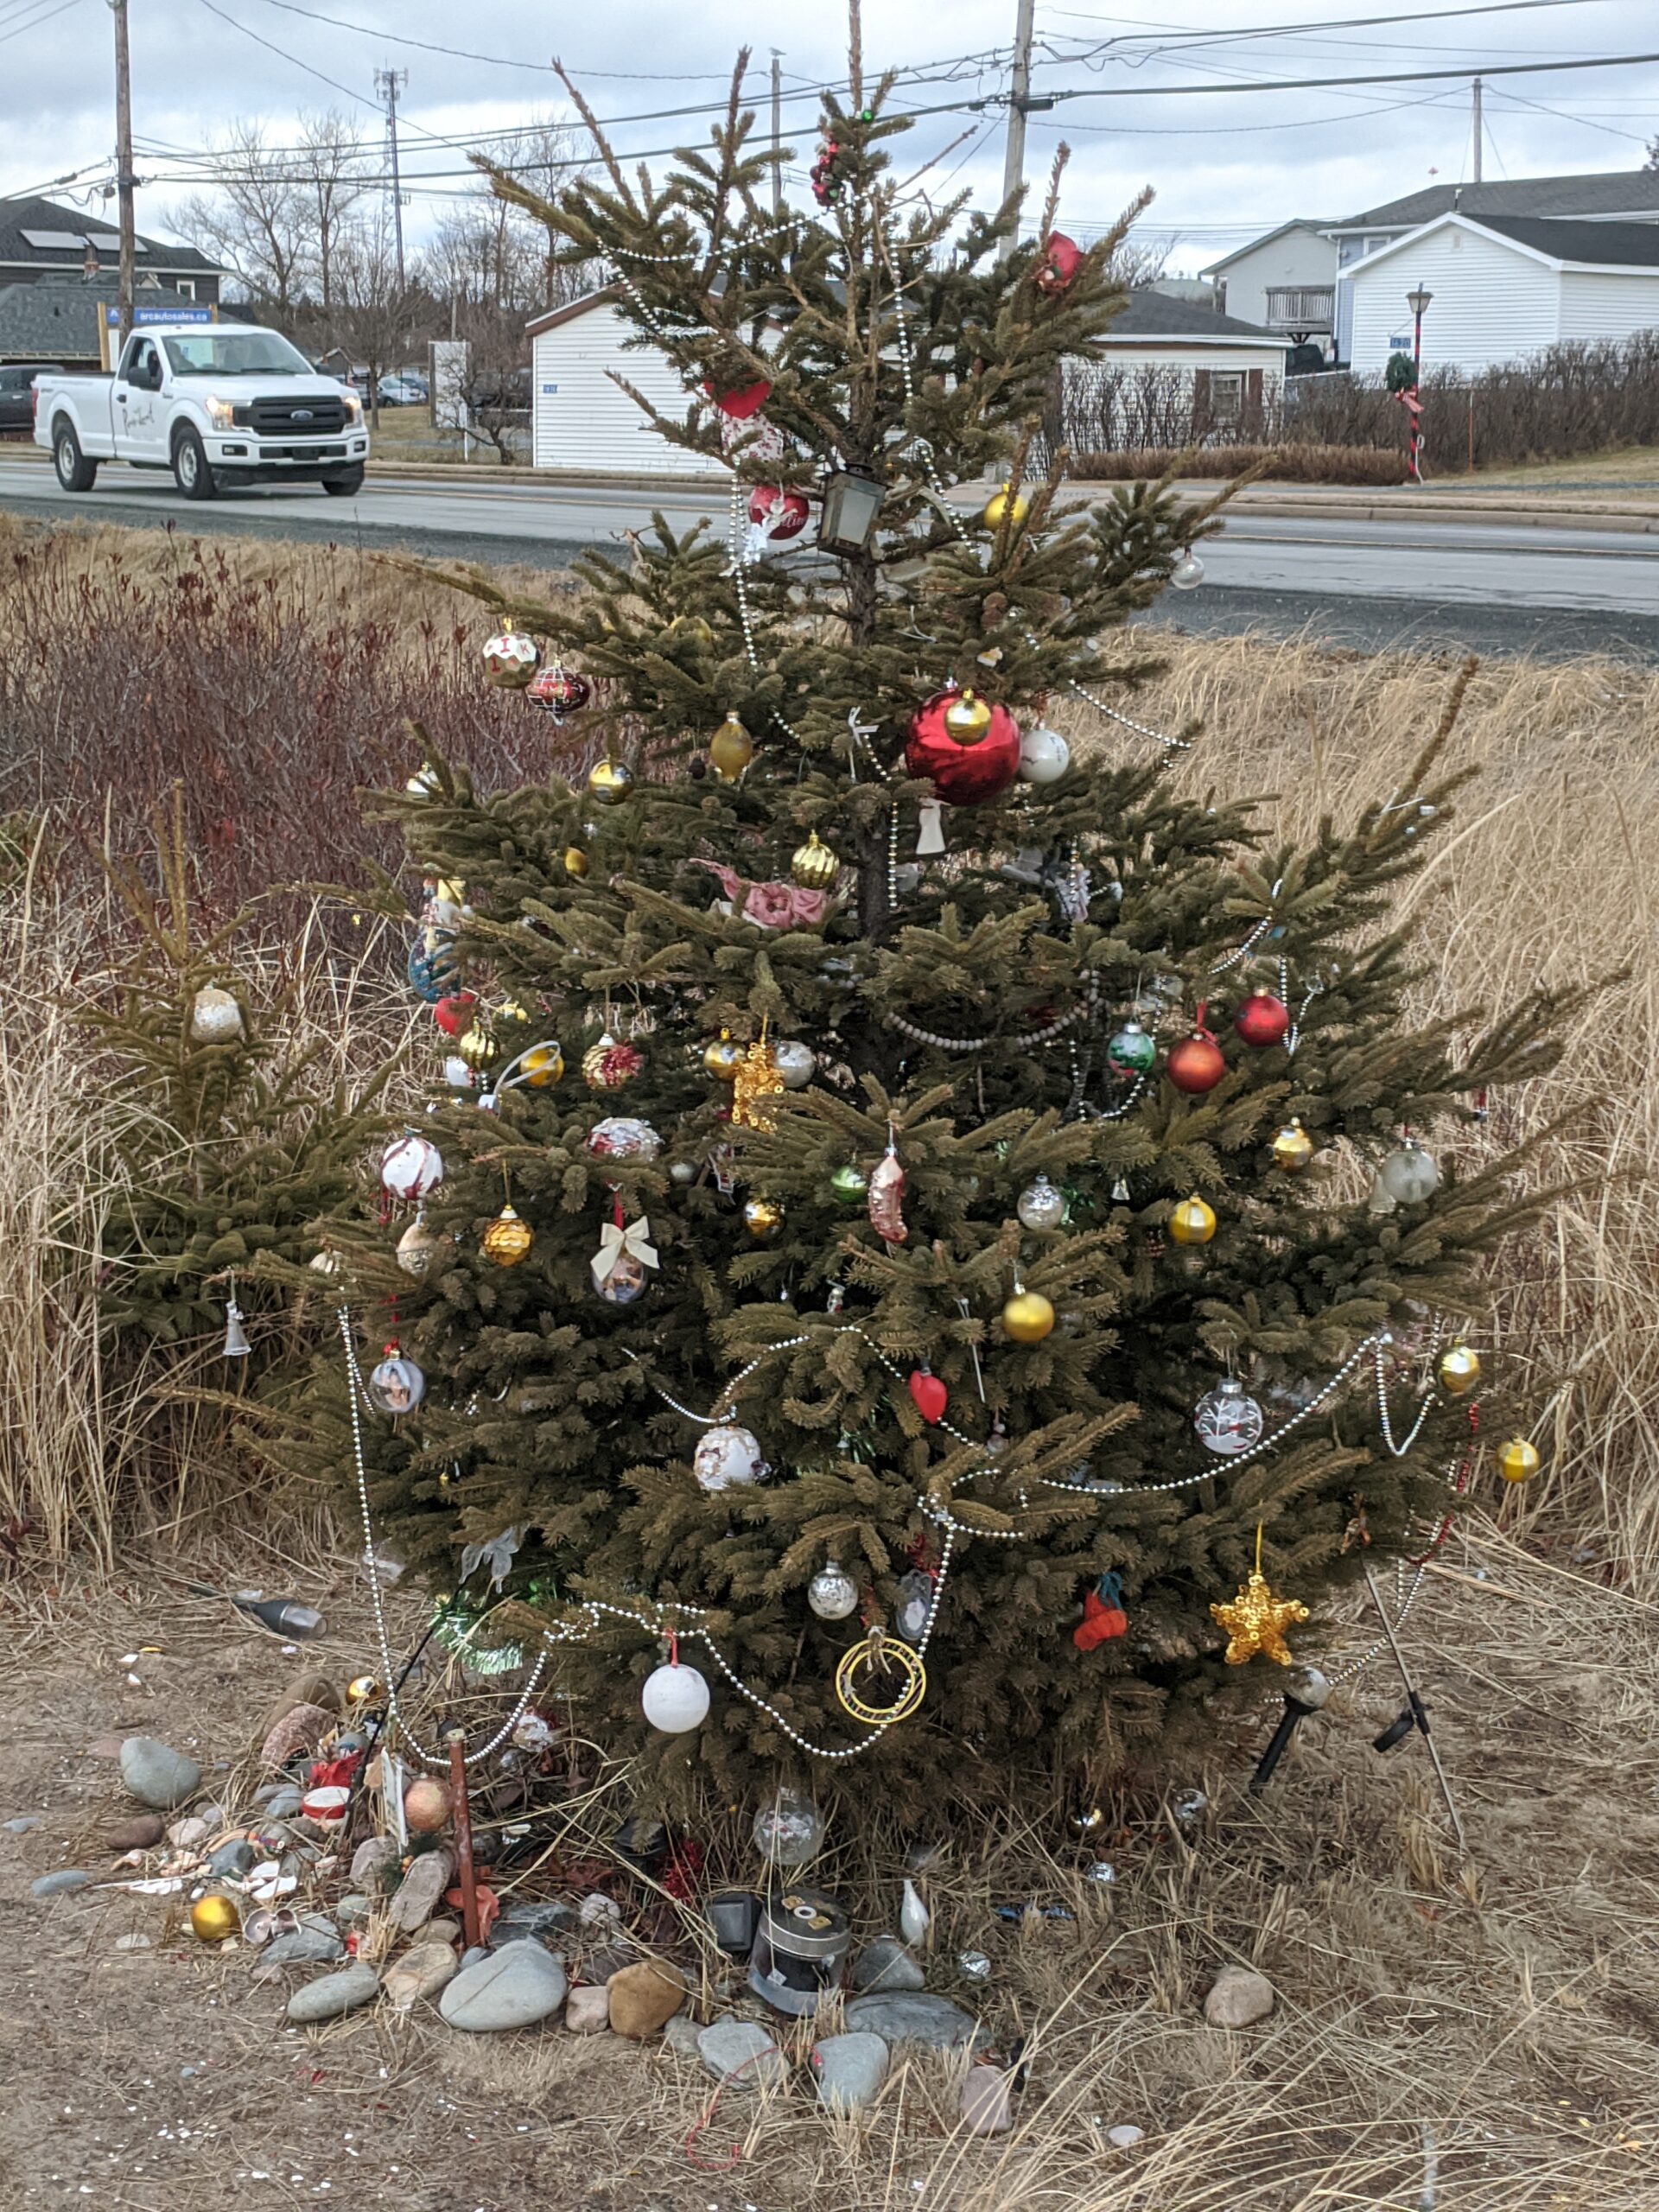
1417, 303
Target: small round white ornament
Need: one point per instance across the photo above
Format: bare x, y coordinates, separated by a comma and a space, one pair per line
728, 1455
832, 1593
675, 1698
411, 1166
1040, 1206
1409, 1175
1187, 573
1226, 1419
797, 1063
215, 1017
1044, 756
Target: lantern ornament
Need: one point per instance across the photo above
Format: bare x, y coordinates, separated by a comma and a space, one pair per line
851, 501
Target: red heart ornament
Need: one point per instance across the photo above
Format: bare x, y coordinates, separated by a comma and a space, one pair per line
930, 1394
748, 399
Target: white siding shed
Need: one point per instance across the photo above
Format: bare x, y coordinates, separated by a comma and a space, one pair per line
579, 418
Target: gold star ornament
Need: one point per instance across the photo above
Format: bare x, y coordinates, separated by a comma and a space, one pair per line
1256, 1620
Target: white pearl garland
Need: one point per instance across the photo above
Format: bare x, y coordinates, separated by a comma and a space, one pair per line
1022, 1038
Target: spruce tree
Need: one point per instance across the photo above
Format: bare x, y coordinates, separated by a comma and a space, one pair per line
968, 1176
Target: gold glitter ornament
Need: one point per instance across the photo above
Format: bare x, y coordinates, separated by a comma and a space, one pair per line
508, 1238
813, 866
213, 1917
730, 749
609, 782
1192, 1222
1517, 1460
1292, 1148
1255, 1620
756, 1080
1458, 1371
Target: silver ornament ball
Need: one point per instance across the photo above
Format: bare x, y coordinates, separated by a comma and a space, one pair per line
832, 1593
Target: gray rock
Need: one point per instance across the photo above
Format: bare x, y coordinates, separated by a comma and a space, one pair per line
22, 1824
680, 2037
513, 1988
742, 2055
588, 2010
351, 1912
1125, 2136
61, 1884
420, 1973
1238, 1997
283, 1801
374, 1863
418, 1893
985, 2100
527, 1918
908, 2015
191, 1831
156, 1775
474, 1953
235, 1857
848, 2070
885, 1964
303, 1947
333, 1994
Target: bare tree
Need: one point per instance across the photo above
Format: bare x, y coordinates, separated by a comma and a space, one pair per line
373, 317
331, 175
254, 218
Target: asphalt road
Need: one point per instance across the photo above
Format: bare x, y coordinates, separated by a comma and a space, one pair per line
1495, 587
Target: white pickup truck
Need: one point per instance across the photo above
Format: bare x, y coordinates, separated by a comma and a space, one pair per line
218, 403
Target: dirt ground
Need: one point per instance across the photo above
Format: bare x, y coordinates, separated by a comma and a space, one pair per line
1478, 2037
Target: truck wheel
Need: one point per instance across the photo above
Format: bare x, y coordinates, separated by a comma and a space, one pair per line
190, 470
75, 471
346, 480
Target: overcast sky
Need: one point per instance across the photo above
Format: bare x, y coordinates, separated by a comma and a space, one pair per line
1225, 164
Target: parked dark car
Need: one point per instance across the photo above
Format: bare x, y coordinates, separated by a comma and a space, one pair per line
16, 404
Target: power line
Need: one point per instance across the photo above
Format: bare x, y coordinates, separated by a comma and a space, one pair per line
1318, 83
1329, 23
34, 21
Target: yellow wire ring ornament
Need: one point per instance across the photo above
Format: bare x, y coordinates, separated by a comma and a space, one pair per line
876, 1653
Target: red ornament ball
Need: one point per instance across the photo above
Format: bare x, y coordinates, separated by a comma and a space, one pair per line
747, 399
964, 775
784, 514
1195, 1065
558, 691
453, 1015
1060, 263
929, 1394
1262, 1018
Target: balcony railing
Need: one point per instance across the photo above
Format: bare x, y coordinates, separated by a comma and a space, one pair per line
1300, 306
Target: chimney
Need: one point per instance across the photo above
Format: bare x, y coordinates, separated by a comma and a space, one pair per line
1457, 198
89, 266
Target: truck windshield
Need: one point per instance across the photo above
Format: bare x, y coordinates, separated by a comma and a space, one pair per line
236, 354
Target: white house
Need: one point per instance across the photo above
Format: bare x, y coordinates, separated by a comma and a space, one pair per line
579, 417
1504, 287
1225, 369
1285, 281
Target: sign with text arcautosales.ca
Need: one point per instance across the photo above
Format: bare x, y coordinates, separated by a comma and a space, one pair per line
112, 316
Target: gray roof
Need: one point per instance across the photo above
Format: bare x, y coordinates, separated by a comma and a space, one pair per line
1154, 315
52, 322
1631, 246
1615, 192
18, 216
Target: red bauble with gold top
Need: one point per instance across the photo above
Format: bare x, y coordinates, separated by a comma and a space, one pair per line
1263, 1019
1195, 1064
966, 769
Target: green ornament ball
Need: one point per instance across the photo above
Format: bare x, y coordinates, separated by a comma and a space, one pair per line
849, 1186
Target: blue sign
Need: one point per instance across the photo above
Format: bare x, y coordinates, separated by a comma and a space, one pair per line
112, 316
547, 390
1400, 345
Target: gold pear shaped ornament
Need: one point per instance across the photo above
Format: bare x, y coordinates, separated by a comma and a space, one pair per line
730, 749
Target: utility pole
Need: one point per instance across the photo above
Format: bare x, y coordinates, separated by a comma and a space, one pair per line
389, 82
777, 130
1020, 105
124, 177
1480, 129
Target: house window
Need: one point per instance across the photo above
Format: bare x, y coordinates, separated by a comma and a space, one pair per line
185, 287
1226, 395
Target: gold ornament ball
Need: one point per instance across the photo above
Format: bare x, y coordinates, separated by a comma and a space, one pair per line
542, 1067
763, 1218
1292, 1148
813, 866
1192, 1222
426, 1805
477, 1047
1028, 1316
1458, 1371
215, 1918
967, 718
723, 1057
576, 862
362, 1690
997, 508
1517, 1460
730, 749
508, 1238
609, 782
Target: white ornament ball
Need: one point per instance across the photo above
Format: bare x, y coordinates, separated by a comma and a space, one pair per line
1040, 1206
411, 1166
1187, 573
215, 1017
832, 1593
621, 1137
1044, 756
797, 1063
1409, 1176
727, 1455
790, 1828
1227, 1420
676, 1699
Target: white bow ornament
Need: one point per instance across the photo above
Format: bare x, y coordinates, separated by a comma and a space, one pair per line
615, 1242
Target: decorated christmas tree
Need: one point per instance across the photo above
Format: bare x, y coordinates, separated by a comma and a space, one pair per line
916, 1217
